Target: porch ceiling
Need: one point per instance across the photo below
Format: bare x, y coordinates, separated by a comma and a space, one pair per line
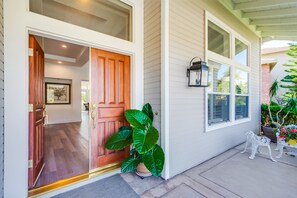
269, 19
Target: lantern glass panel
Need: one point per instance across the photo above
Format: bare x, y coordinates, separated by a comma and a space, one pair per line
195, 77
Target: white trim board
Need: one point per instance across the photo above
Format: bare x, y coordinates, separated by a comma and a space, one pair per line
18, 23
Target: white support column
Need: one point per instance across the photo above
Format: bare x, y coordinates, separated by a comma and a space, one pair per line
165, 85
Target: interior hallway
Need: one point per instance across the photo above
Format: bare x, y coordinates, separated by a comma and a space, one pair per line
66, 151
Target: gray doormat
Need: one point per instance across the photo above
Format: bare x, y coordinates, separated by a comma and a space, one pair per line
111, 187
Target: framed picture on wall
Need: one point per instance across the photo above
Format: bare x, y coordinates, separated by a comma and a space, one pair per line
57, 93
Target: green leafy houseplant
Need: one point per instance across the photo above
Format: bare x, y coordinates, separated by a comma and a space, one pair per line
143, 137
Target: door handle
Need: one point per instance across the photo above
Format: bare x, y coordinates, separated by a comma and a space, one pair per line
94, 115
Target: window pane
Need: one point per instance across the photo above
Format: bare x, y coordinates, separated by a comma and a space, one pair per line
108, 17
218, 40
241, 107
218, 108
219, 77
241, 82
241, 52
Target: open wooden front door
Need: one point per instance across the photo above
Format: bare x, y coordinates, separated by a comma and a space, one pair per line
36, 108
110, 97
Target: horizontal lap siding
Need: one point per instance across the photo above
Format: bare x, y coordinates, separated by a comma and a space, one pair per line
152, 57
1, 98
189, 144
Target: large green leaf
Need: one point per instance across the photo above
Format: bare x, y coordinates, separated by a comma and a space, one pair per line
147, 109
144, 140
154, 160
120, 140
130, 164
137, 118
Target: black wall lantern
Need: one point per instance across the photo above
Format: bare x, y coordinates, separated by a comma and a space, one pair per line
197, 73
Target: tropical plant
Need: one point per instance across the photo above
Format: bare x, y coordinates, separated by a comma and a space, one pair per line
142, 137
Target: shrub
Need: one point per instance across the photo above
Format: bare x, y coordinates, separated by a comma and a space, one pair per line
265, 119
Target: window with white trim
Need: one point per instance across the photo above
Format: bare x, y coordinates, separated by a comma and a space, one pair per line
229, 72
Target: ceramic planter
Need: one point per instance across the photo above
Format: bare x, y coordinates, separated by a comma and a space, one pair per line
142, 171
269, 132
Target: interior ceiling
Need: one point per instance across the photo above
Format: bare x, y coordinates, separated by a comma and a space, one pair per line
270, 19
71, 55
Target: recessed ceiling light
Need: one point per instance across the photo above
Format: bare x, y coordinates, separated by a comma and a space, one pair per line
60, 62
64, 46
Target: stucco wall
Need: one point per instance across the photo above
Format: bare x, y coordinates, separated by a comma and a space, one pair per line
152, 57
278, 71
189, 143
1, 97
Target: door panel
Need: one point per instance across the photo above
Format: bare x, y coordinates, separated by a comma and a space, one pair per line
36, 116
110, 97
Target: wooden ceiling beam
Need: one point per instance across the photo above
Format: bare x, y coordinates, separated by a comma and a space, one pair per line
274, 21
262, 3
288, 12
281, 28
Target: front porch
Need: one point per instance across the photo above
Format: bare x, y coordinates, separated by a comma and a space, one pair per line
230, 174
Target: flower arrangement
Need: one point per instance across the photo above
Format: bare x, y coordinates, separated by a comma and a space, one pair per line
288, 134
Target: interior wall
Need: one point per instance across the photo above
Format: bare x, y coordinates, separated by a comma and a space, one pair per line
68, 112
190, 144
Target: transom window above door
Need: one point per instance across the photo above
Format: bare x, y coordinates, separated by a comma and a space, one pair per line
111, 17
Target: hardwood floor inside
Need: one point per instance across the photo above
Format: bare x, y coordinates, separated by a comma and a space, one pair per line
66, 151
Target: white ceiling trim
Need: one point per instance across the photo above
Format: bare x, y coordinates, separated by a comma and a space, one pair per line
60, 58
276, 20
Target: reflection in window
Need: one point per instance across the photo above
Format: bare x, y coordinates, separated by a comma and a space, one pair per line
218, 108
219, 77
218, 40
241, 82
241, 107
241, 52
111, 17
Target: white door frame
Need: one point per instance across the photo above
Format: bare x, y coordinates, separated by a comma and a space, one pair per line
18, 23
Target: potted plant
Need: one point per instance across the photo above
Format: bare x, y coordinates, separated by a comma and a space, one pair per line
288, 134
142, 137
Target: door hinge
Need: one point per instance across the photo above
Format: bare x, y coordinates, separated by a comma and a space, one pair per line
30, 51
30, 108
30, 164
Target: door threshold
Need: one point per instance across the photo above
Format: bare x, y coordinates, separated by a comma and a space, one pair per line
36, 192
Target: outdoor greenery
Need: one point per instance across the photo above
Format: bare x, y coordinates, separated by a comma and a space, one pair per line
283, 110
143, 137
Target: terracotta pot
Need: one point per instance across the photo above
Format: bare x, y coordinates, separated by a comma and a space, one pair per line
268, 132
142, 171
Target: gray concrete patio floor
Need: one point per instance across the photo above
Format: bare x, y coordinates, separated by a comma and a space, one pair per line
230, 174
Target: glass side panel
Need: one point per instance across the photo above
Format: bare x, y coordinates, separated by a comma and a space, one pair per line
218, 40
241, 52
111, 17
241, 107
241, 82
218, 108
219, 77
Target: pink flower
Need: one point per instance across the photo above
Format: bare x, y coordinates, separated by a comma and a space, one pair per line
293, 130
283, 130
281, 137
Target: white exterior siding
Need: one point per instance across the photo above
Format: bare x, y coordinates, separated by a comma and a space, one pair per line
189, 143
1, 97
152, 57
